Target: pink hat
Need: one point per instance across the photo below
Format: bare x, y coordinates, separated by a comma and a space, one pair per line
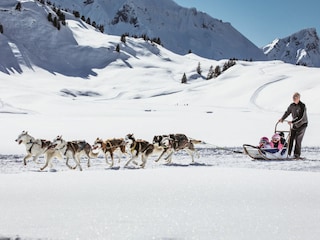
264, 139
276, 137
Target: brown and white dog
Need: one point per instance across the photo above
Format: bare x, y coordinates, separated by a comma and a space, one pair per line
37, 147
138, 147
110, 146
73, 149
174, 142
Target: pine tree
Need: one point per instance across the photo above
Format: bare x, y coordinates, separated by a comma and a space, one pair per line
159, 40
225, 66
217, 71
50, 17
199, 71
58, 25
184, 78
118, 48
210, 73
58, 12
55, 22
101, 28
76, 14
62, 17
123, 38
18, 6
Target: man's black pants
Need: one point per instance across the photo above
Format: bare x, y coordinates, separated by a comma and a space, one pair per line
296, 136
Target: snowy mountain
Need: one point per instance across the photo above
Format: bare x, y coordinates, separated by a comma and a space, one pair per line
300, 48
30, 39
179, 30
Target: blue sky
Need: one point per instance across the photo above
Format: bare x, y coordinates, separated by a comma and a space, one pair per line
262, 21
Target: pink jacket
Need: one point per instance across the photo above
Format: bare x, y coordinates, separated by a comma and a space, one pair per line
278, 145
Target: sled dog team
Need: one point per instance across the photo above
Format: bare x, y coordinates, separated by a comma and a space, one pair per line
130, 146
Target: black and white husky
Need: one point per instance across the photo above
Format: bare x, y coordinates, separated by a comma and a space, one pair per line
138, 147
37, 147
73, 149
174, 142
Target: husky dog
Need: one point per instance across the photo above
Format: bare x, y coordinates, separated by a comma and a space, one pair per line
36, 148
110, 145
138, 147
74, 149
174, 142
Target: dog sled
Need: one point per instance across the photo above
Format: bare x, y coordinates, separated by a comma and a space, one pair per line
271, 153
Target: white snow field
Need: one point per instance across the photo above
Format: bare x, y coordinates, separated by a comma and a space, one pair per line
222, 196
165, 203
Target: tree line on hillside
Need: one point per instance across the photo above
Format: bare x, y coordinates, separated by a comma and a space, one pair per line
212, 72
59, 16
88, 21
145, 37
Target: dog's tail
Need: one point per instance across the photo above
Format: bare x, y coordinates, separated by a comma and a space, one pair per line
196, 141
92, 154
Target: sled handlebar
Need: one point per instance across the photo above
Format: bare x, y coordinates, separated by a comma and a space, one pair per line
276, 127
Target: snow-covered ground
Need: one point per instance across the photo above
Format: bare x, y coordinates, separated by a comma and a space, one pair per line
223, 195
165, 203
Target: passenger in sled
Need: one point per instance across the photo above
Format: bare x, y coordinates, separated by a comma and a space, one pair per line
264, 143
276, 141
276, 144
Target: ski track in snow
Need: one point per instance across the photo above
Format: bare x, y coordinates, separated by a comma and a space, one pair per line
255, 95
208, 157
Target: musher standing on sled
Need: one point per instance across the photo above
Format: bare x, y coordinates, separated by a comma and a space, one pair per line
299, 123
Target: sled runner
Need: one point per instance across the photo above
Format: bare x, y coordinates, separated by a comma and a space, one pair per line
260, 153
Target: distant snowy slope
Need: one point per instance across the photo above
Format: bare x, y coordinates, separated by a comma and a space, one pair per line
179, 29
300, 48
30, 39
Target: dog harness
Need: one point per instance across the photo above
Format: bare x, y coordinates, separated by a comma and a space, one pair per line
32, 143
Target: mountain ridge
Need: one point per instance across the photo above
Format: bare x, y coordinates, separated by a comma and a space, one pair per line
180, 29
300, 48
